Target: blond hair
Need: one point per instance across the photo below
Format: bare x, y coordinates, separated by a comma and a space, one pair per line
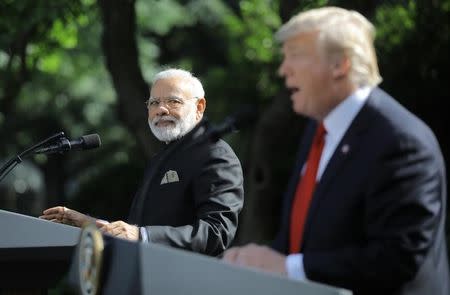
341, 32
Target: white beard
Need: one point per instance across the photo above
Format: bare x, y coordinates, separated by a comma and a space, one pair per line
181, 128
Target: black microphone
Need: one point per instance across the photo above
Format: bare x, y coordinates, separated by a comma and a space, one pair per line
243, 117
85, 142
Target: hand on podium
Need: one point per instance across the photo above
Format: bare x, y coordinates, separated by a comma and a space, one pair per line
119, 229
257, 256
72, 217
65, 215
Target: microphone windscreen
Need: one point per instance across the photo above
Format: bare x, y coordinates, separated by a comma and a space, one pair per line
91, 141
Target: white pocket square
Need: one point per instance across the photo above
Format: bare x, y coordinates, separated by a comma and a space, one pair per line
170, 176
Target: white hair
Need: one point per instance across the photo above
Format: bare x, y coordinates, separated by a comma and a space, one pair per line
341, 32
193, 82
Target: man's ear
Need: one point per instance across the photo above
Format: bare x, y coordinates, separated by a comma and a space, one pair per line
201, 106
341, 67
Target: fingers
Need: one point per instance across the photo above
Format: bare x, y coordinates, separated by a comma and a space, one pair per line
63, 215
257, 256
55, 214
248, 255
120, 229
231, 254
50, 213
239, 256
100, 223
112, 228
54, 210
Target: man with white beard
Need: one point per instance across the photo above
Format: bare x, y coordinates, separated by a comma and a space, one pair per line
192, 191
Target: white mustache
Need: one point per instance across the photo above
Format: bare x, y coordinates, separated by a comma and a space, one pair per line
169, 118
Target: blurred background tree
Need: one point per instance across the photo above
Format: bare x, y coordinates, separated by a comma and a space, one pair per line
84, 66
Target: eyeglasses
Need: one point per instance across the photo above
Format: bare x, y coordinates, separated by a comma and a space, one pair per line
171, 102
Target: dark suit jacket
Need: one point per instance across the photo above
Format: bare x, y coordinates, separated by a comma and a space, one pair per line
376, 221
200, 211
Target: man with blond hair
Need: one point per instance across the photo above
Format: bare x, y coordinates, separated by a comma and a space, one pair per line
365, 207
192, 191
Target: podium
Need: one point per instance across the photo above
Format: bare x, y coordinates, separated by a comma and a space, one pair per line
141, 268
34, 253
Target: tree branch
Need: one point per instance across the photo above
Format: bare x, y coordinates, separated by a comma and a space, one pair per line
119, 47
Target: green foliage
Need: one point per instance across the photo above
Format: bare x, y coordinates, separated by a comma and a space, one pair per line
60, 83
255, 28
65, 35
309, 4
394, 24
160, 16
53, 76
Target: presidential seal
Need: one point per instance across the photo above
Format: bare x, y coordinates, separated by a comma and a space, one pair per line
90, 252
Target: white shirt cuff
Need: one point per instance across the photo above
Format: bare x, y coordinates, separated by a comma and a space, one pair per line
294, 267
143, 234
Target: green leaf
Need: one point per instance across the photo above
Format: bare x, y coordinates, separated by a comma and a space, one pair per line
50, 63
65, 35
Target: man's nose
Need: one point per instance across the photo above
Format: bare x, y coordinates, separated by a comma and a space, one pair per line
162, 110
282, 70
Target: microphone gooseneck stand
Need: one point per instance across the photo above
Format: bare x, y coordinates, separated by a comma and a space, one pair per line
8, 166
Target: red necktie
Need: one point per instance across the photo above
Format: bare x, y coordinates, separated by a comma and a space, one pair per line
305, 190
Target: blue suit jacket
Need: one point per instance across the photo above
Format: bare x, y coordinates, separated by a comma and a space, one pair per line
376, 220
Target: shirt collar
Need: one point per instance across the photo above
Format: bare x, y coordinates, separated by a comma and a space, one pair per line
339, 119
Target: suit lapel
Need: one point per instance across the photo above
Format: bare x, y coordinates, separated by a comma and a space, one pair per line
282, 239
135, 216
162, 158
347, 147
